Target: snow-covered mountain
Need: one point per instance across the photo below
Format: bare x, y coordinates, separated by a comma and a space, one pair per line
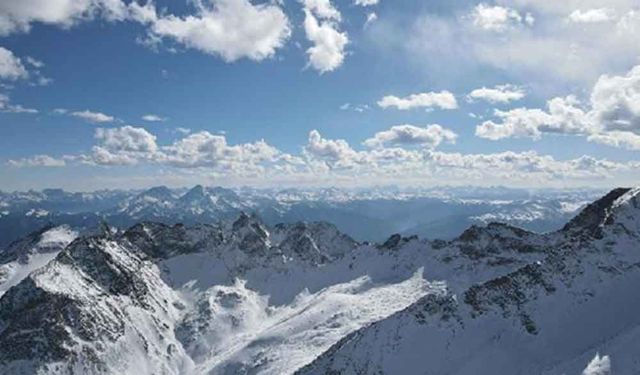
245, 297
364, 214
574, 311
32, 252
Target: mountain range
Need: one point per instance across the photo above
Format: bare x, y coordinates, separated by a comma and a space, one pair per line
241, 296
364, 214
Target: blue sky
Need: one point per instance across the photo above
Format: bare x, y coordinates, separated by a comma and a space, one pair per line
254, 105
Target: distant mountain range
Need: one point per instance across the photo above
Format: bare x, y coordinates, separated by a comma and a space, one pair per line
244, 297
364, 214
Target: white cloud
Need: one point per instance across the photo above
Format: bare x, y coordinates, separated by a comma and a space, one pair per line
552, 56
366, 3
618, 139
333, 150
328, 50
231, 29
612, 116
323, 9
37, 161
7, 107
95, 117
34, 62
17, 16
355, 107
599, 365
408, 135
616, 101
153, 118
516, 123
127, 139
564, 116
498, 94
592, 15
498, 18
11, 67
371, 18
204, 148
126, 145
184, 131
443, 99
334, 161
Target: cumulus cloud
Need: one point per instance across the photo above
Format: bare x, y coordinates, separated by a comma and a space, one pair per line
618, 139
37, 161
18, 16
324, 160
206, 149
443, 99
153, 118
516, 123
95, 117
408, 135
333, 150
592, 15
322, 29
563, 116
129, 145
231, 29
611, 117
498, 18
127, 139
497, 94
616, 102
126, 145
323, 9
11, 67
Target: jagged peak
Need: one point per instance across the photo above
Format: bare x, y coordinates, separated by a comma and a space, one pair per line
158, 192
395, 241
162, 241
318, 241
245, 220
492, 230
597, 214
195, 193
308, 226
46, 239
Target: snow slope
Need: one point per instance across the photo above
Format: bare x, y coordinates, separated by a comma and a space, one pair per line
24, 256
554, 316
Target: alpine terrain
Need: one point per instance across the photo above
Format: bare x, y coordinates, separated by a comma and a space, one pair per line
244, 297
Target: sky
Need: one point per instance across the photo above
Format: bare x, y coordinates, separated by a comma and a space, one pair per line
99, 94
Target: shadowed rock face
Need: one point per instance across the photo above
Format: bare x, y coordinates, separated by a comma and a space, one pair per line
595, 214
38, 320
19, 249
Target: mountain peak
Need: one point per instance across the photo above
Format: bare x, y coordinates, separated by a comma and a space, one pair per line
195, 192
595, 215
158, 192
